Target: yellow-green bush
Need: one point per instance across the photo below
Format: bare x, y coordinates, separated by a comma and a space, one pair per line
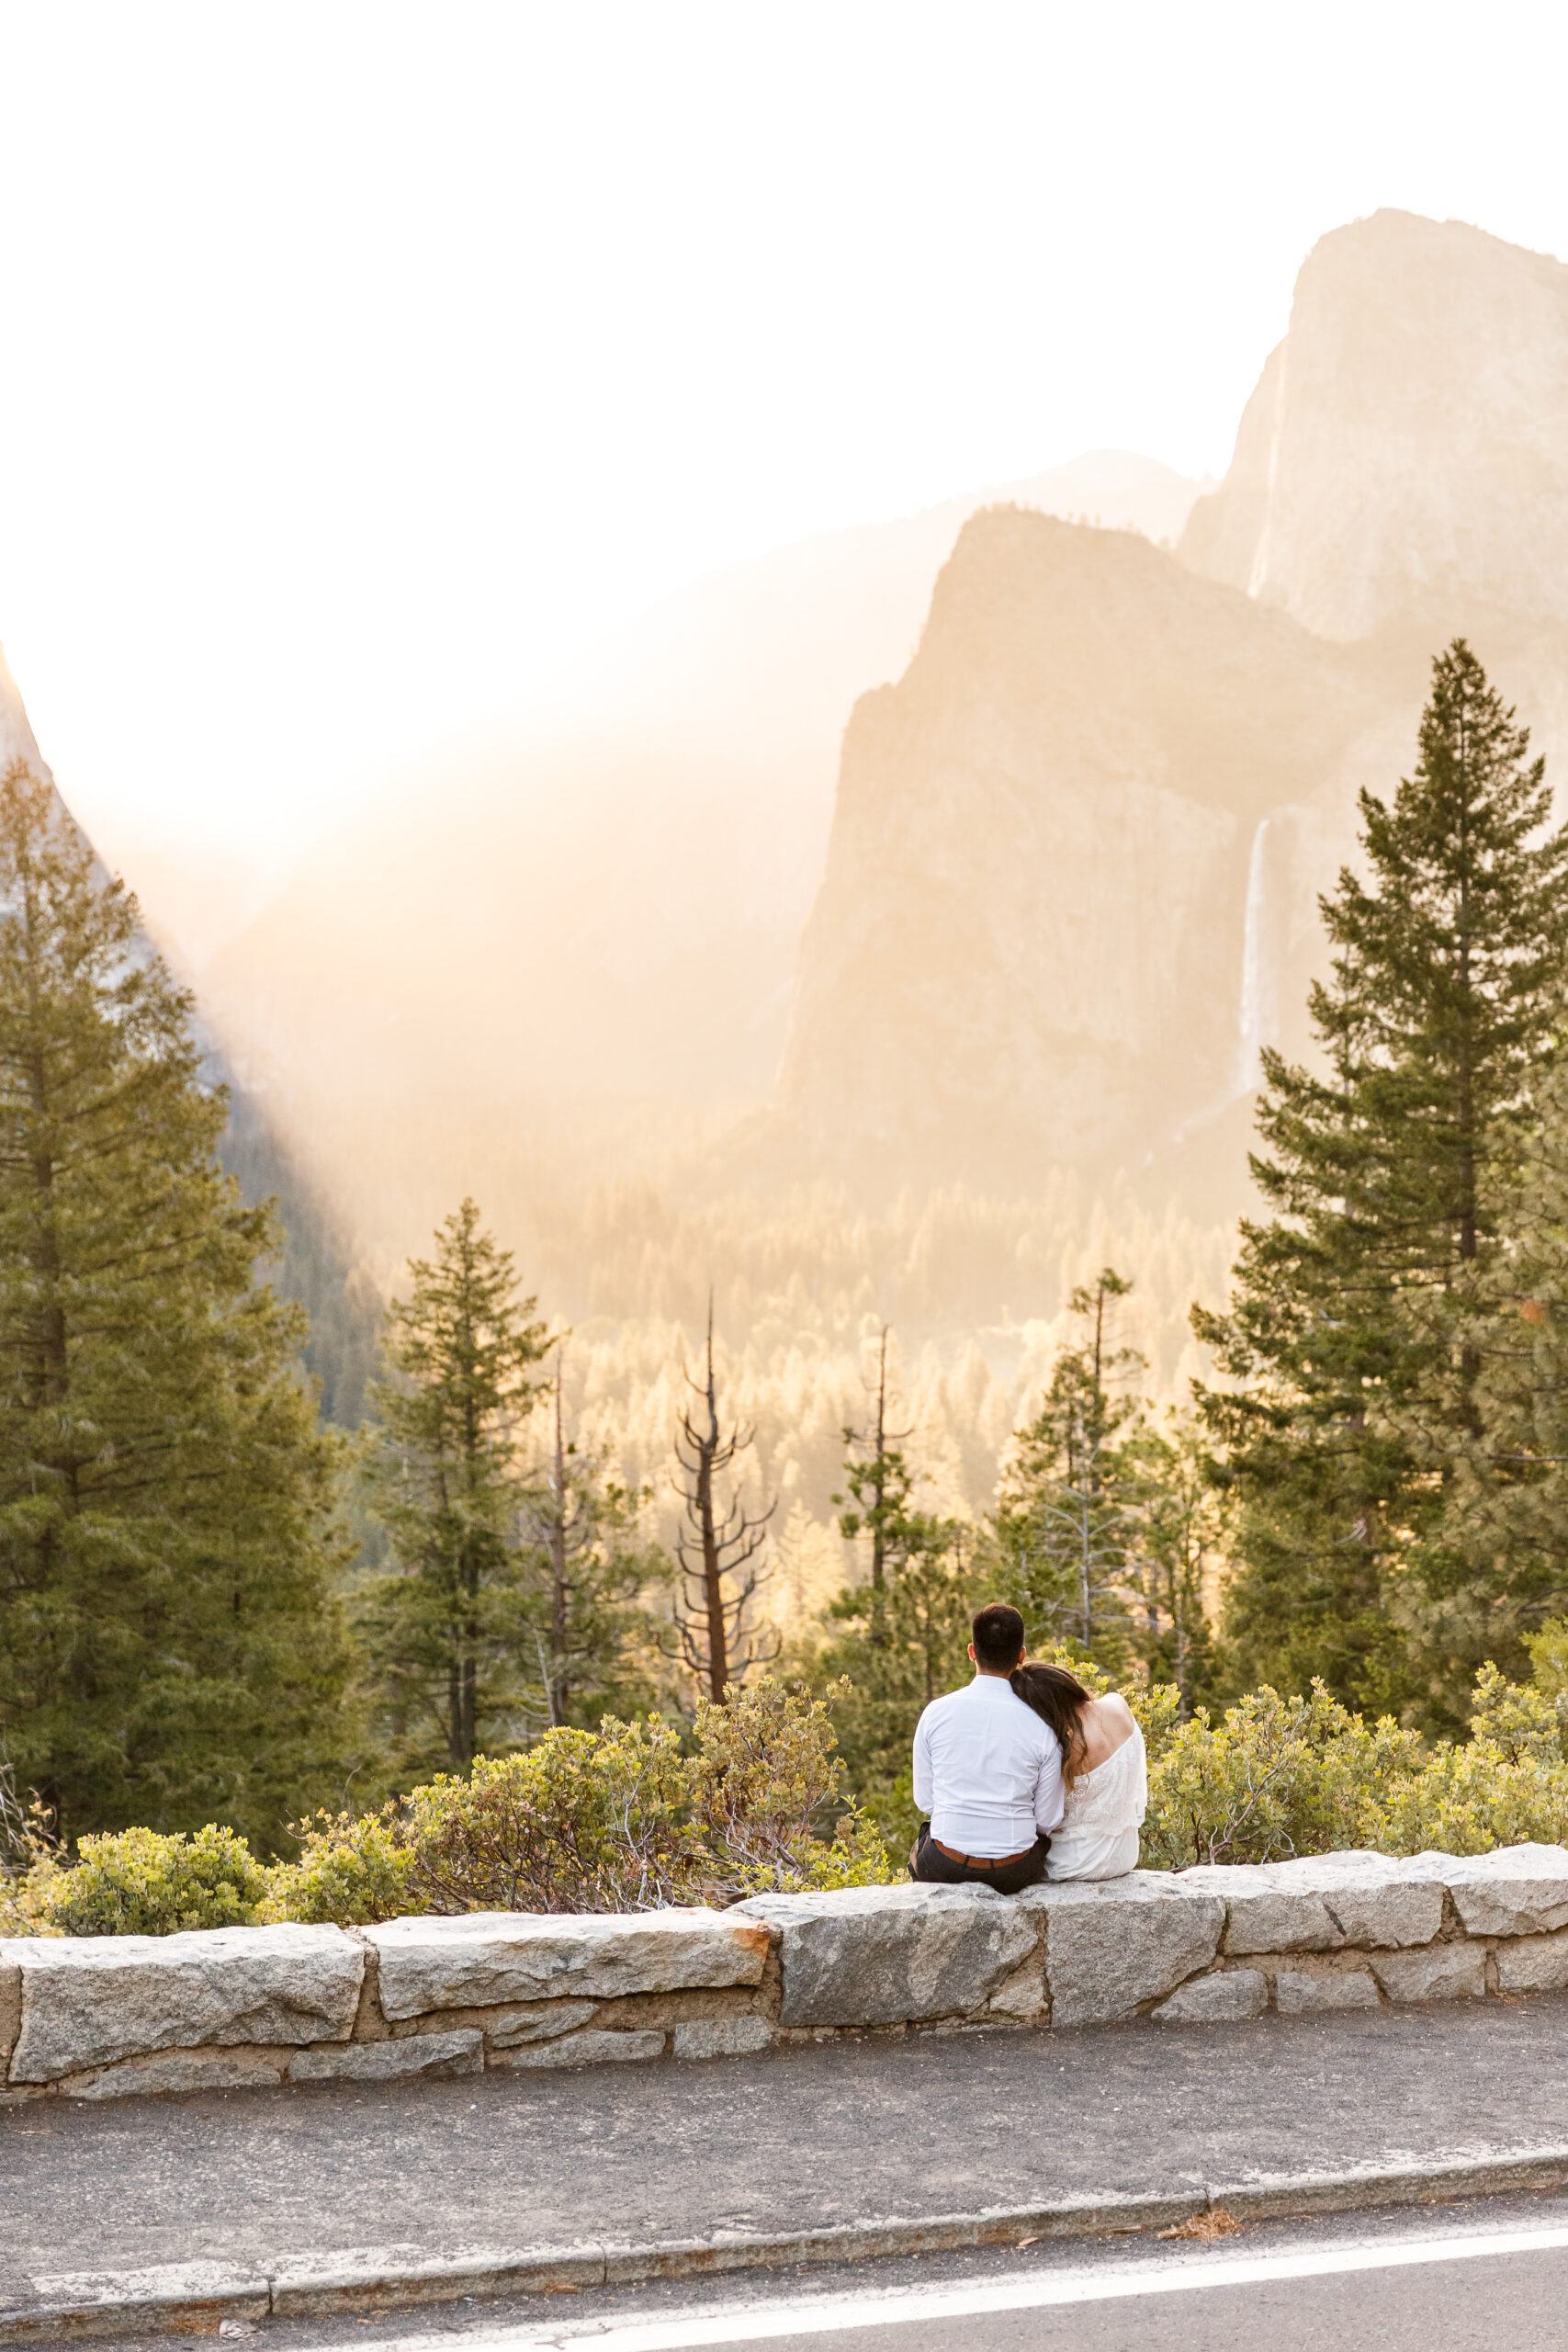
30, 1861
1276, 1777
637, 1814
140, 1883
586, 1821
621, 1820
763, 1780
625, 1818
354, 1868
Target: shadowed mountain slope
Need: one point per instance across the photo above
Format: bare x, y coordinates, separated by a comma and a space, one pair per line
317, 1265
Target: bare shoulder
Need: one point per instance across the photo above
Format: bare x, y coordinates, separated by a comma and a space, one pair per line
1116, 1713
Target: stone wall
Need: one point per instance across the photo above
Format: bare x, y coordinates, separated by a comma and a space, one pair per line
101, 2018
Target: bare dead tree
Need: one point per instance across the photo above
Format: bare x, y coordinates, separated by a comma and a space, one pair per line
718, 1548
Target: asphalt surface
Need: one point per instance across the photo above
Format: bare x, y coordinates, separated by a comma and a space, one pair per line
849, 2131
1457, 2281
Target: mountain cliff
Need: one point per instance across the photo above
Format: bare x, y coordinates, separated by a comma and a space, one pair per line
1405, 453
1032, 941
1073, 878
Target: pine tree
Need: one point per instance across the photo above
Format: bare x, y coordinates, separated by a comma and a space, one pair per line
1386, 1172
170, 1649
1064, 1520
901, 1645
877, 1477
1174, 1540
591, 1566
1498, 1569
448, 1628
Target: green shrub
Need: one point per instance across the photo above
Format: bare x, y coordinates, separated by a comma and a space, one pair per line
1549, 1658
764, 1780
621, 1820
1274, 1777
586, 1821
1277, 1777
1469, 1799
1523, 1722
140, 1883
30, 1859
352, 1870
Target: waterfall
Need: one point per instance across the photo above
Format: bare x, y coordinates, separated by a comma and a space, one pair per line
1254, 973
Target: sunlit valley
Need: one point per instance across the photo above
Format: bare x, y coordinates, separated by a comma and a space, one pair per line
885, 932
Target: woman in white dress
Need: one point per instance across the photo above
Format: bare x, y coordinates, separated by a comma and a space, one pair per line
1104, 1770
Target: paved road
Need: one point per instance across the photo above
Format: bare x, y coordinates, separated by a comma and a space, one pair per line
1449, 2283
794, 2139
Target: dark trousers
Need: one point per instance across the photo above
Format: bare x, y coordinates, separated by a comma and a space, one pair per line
928, 1863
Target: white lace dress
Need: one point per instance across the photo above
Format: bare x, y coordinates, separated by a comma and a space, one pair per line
1099, 1836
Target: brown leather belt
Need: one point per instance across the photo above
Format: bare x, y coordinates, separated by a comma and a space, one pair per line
983, 1862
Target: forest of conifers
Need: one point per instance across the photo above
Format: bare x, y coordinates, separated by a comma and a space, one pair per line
218, 1605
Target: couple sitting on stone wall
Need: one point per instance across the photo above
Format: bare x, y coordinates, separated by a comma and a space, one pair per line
1025, 1776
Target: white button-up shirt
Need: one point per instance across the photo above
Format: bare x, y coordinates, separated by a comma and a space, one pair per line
988, 1769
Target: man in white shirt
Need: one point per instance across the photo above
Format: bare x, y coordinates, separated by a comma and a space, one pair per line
988, 1771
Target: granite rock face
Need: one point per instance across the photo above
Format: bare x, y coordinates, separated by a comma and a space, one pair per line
1533, 1964
1517, 1890
462, 2053
183, 2070
1405, 447
1049, 962
88, 2001
721, 2037
885, 1955
1224, 1999
1322, 1902
488, 1957
1300, 1996
1441, 1973
601, 2048
1112, 1947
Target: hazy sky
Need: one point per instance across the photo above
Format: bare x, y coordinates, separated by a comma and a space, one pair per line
358, 360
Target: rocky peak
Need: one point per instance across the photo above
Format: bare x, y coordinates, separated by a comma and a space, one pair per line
1405, 453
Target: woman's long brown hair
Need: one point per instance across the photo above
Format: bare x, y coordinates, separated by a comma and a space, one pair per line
1059, 1699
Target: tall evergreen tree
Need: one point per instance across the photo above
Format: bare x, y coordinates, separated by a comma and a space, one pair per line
1499, 1401
901, 1643
448, 1628
593, 1565
1174, 1538
1064, 1520
877, 1477
1386, 1172
170, 1650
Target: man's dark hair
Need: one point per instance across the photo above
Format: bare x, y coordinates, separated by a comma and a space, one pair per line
997, 1633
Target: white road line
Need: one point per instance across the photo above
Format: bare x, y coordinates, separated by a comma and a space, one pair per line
829, 2315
